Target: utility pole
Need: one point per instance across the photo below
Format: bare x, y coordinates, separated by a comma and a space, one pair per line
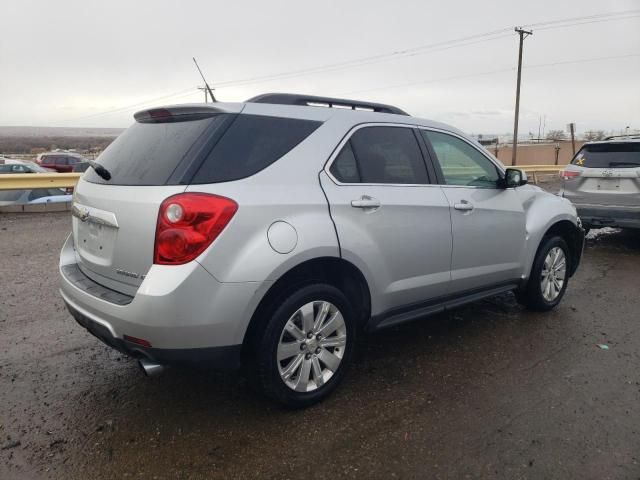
572, 129
208, 88
206, 97
523, 34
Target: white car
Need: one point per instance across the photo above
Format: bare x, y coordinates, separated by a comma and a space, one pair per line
37, 195
8, 165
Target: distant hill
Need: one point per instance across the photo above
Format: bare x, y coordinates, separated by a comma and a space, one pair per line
59, 132
32, 140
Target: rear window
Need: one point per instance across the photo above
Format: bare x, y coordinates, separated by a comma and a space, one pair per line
608, 155
219, 148
252, 143
148, 153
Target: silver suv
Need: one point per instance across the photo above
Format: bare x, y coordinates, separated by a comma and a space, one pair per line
270, 233
603, 182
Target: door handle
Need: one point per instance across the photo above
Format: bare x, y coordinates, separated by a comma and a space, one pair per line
464, 206
365, 201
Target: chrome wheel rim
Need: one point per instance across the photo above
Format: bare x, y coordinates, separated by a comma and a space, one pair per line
553, 275
311, 346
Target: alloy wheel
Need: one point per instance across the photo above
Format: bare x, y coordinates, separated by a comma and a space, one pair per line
312, 345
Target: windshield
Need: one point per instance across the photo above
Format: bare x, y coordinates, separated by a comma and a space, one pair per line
609, 155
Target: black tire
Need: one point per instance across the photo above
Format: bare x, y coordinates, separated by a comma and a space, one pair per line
531, 294
265, 363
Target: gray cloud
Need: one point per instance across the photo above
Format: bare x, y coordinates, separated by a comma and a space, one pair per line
67, 62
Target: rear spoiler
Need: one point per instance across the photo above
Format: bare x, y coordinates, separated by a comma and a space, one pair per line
182, 113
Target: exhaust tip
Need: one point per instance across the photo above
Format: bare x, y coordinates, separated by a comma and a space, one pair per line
150, 369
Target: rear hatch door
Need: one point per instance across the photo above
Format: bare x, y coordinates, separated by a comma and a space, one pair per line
608, 174
114, 221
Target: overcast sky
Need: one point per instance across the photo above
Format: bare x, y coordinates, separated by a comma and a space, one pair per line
66, 63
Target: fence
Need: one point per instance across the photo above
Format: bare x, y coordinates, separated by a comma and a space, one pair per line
536, 154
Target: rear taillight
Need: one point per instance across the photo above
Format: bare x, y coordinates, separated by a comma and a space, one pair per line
188, 223
569, 174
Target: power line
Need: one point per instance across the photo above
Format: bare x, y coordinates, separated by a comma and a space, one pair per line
585, 17
180, 93
551, 27
464, 41
419, 50
496, 34
488, 72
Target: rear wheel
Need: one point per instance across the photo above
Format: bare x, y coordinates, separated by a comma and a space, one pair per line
306, 346
549, 276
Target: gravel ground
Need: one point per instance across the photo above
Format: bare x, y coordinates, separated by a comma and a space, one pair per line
489, 390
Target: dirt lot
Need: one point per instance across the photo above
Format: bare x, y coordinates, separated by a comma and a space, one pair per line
486, 391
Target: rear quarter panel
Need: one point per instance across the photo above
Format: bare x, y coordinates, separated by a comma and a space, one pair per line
288, 190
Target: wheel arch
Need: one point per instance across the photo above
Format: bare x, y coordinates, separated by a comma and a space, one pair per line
334, 271
571, 234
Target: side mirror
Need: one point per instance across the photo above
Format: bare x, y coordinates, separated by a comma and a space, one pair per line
514, 178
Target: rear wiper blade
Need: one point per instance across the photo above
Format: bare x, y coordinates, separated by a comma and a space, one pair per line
100, 170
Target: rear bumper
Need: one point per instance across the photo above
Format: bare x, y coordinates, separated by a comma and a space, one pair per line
185, 314
217, 358
596, 216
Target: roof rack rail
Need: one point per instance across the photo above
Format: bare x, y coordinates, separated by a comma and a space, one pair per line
314, 101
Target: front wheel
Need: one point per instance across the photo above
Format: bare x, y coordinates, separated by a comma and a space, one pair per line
549, 276
306, 346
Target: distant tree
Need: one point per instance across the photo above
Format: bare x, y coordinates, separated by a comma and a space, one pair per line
594, 135
556, 135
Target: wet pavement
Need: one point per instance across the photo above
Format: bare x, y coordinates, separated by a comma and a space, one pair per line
487, 391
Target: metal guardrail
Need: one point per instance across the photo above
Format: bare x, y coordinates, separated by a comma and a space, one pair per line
541, 168
27, 181
534, 170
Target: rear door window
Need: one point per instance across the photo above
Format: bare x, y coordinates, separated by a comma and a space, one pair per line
251, 144
383, 155
344, 167
612, 155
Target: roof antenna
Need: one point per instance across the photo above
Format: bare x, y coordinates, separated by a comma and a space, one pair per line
208, 88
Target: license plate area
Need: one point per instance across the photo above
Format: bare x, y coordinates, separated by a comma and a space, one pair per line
95, 241
608, 184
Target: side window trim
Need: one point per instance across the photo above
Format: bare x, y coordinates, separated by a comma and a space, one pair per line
430, 160
355, 156
436, 162
347, 140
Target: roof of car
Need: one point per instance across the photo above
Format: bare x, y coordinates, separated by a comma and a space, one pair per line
303, 107
11, 161
67, 154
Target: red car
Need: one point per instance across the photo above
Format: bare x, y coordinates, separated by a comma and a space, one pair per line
60, 162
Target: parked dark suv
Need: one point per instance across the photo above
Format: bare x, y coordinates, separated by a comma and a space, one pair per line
60, 162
